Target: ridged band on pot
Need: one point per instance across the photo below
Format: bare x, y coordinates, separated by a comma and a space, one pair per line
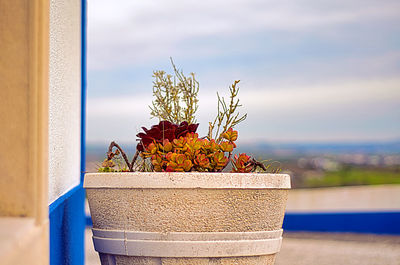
187, 180
187, 244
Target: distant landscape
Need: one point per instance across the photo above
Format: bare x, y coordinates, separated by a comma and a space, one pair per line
311, 165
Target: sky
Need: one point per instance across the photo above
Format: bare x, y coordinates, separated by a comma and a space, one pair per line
310, 70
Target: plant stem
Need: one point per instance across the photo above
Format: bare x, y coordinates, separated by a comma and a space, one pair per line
134, 158
258, 164
130, 165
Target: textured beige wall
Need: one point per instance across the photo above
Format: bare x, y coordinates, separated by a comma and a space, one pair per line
14, 92
65, 99
24, 131
23, 107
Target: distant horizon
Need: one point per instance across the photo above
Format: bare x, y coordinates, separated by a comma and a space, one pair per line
327, 142
283, 149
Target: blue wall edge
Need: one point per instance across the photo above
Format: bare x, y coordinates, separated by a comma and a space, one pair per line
83, 87
67, 213
344, 222
355, 222
67, 226
57, 203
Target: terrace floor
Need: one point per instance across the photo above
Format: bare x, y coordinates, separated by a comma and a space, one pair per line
319, 249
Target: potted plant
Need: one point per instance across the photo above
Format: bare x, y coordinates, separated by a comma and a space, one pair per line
173, 203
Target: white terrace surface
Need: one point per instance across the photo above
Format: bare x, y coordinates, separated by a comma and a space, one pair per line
345, 199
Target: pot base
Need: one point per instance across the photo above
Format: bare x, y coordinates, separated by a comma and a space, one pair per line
107, 259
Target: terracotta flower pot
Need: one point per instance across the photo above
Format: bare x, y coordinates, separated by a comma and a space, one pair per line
187, 218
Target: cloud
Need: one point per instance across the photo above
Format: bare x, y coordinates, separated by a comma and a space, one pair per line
134, 32
309, 113
257, 99
118, 106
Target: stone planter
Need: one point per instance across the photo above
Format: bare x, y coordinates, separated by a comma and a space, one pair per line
187, 218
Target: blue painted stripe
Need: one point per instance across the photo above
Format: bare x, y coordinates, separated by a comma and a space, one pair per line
83, 87
67, 224
348, 222
89, 220
54, 205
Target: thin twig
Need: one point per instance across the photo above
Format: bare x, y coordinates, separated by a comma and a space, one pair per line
110, 156
257, 164
134, 158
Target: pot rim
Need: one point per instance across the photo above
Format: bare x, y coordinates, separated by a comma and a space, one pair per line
186, 180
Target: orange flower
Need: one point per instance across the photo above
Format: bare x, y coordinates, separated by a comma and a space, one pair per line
242, 164
178, 162
219, 160
179, 143
210, 146
226, 147
166, 146
157, 163
187, 165
192, 146
202, 161
230, 135
150, 150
